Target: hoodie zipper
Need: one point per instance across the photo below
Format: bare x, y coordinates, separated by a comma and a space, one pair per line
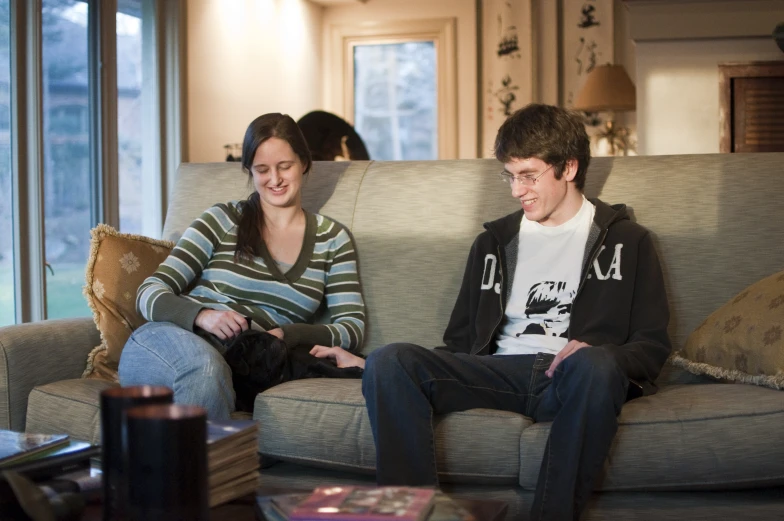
591, 260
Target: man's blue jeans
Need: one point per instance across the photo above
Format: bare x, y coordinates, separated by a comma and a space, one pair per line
405, 385
161, 353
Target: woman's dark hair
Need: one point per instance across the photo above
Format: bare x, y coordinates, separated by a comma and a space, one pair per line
549, 133
281, 126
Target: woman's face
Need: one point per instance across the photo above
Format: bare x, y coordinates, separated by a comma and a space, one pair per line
277, 174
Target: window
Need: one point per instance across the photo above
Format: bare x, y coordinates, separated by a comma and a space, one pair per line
5, 111
395, 109
69, 119
398, 87
73, 125
7, 307
68, 211
129, 114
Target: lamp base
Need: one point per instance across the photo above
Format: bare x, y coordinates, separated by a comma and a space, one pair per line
617, 137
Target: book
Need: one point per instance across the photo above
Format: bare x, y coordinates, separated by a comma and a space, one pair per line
54, 461
232, 459
355, 503
16, 446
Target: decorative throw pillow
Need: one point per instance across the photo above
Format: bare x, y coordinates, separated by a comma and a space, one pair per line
744, 339
118, 264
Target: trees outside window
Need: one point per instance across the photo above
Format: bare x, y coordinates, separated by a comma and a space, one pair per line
395, 108
7, 308
82, 136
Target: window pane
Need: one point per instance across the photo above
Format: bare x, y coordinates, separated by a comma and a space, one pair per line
67, 186
7, 315
129, 113
395, 100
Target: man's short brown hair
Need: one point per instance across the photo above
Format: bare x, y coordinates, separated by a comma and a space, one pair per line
552, 134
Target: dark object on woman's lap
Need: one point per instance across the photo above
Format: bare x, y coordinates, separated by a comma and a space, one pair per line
259, 360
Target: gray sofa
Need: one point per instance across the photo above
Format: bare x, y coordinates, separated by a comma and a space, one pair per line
698, 449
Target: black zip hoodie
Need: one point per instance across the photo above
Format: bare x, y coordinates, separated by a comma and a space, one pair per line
621, 303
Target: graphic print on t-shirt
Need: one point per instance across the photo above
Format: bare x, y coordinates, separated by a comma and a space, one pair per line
548, 307
544, 285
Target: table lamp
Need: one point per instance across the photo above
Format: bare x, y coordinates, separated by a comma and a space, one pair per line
608, 89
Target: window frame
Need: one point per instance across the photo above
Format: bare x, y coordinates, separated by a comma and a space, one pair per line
441, 31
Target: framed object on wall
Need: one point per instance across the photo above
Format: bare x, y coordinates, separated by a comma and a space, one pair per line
587, 41
507, 64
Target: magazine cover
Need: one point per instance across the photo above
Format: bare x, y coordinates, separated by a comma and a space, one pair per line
218, 430
351, 503
54, 461
17, 445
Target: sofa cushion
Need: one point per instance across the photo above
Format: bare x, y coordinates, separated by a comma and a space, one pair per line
686, 437
117, 265
323, 422
744, 339
68, 406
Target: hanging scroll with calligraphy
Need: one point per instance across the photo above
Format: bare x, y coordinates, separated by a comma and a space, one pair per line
587, 36
507, 63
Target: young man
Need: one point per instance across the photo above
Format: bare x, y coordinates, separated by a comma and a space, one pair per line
561, 316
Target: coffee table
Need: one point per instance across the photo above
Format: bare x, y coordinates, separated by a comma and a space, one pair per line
244, 509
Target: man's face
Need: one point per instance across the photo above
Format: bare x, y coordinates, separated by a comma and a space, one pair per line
548, 201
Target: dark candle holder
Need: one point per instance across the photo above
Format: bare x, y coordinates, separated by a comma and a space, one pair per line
167, 454
114, 403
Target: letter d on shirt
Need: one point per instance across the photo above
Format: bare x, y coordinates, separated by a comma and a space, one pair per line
488, 276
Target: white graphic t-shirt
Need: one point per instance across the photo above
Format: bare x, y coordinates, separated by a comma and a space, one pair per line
549, 261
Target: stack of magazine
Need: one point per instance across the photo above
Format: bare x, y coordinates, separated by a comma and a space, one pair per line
232, 459
54, 462
44, 456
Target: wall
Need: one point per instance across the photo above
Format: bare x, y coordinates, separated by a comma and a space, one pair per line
546, 63
246, 58
396, 10
678, 99
679, 45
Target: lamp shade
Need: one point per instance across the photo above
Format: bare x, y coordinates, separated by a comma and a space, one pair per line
607, 87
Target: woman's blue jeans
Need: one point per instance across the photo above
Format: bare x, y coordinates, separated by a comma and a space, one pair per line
405, 385
161, 353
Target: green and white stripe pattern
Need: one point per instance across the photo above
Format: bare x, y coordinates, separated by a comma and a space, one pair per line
202, 271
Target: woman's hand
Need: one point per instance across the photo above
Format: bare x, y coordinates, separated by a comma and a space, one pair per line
341, 357
223, 324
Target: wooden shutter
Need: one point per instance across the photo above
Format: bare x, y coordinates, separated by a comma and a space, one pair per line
758, 114
751, 107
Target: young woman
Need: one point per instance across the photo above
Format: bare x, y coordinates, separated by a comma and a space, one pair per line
264, 260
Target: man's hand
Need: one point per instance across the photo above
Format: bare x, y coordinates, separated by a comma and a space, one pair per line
341, 357
223, 324
568, 350
278, 332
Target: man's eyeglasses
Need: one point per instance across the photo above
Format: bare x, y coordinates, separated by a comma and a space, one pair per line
527, 180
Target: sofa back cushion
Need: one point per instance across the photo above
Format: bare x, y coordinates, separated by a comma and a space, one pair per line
715, 218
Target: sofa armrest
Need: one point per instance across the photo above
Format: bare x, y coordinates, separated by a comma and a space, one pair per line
39, 353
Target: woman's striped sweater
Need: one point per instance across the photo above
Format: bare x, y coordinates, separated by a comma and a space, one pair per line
201, 273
